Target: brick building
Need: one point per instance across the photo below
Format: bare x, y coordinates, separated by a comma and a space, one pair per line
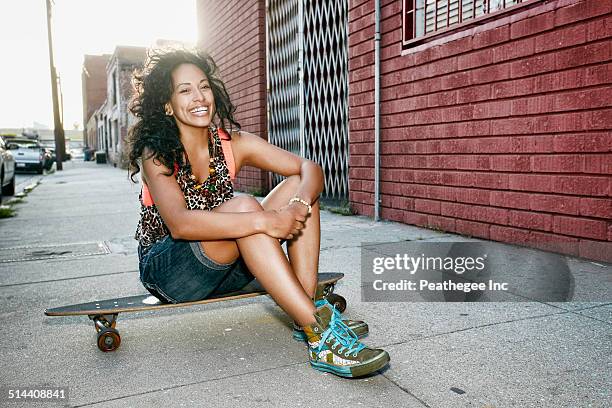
496, 126
495, 119
93, 79
112, 119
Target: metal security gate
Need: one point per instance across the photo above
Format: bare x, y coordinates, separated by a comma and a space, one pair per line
284, 85
307, 57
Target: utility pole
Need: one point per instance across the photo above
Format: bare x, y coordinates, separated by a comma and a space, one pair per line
60, 144
61, 99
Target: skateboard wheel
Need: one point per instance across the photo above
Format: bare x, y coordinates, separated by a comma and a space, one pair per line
337, 301
109, 340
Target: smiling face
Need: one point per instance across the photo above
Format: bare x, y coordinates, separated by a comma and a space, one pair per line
192, 102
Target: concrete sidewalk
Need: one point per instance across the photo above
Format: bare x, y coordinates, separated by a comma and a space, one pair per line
240, 353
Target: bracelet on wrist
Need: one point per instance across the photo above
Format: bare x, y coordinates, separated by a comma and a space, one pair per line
299, 200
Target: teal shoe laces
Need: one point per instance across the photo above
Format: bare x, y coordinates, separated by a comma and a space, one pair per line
342, 336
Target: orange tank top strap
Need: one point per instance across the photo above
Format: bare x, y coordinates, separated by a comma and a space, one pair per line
226, 145
147, 200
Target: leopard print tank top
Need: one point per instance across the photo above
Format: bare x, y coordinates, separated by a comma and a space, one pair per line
216, 190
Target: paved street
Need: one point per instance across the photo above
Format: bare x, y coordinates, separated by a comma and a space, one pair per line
24, 179
240, 353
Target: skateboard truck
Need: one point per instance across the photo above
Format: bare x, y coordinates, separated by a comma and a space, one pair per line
326, 291
108, 337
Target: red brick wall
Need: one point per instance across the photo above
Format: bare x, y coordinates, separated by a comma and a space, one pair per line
499, 131
234, 33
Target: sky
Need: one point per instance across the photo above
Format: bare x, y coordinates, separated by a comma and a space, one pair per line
79, 27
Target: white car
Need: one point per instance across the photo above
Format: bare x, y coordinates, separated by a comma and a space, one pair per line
77, 154
30, 155
7, 170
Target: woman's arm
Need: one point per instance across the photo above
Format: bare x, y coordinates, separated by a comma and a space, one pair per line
200, 225
254, 151
312, 179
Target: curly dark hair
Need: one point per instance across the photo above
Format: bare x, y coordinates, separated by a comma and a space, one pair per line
152, 90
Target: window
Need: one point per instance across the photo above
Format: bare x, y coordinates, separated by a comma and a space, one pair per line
423, 17
114, 88
115, 132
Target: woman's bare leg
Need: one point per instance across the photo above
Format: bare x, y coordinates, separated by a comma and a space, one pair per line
303, 250
266, 261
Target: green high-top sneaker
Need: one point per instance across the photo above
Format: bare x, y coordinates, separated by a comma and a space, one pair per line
359, 327
334, 348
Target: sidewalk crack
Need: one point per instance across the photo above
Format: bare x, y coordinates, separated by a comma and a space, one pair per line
406, 391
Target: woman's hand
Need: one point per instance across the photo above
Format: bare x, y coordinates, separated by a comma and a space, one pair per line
286, 222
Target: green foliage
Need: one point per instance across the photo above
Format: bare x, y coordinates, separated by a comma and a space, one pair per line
344, 208
6, 211
257, 192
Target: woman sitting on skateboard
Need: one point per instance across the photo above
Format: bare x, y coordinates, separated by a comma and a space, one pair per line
196, 239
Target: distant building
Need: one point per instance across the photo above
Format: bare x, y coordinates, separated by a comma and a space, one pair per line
93, 79
112, 119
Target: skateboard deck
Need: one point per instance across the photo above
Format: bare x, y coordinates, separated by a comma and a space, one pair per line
104, 312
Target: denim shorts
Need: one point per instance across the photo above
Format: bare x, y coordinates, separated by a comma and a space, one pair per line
177, 271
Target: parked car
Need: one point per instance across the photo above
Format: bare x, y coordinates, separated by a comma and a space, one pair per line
30, 155
50, 146
77, 153
7, 171
49, 158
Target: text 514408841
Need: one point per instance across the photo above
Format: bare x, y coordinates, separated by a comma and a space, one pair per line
35, 393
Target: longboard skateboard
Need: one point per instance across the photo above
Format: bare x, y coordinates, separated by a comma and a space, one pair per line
104, 312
